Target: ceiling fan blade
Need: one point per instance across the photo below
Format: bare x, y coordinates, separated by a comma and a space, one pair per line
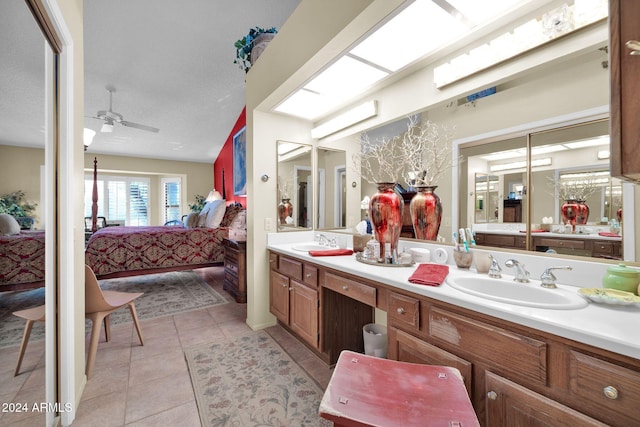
139, 126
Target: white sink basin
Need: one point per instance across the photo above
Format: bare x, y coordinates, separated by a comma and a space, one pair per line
525, 294
310, 247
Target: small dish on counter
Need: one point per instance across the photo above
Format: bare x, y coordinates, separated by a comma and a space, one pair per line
609, 296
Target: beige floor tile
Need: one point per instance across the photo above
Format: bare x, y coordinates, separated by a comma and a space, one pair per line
102, 411
156, 345
193, 320
106, 381
162, 365
184, 415
152, 397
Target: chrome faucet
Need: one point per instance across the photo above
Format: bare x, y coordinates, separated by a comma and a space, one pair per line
322, 239
548, 280
522, 275
495, 272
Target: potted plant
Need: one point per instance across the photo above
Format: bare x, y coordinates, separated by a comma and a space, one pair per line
198, 205
16, 205
249, 48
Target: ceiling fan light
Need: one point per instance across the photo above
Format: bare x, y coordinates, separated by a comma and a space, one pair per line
106, 127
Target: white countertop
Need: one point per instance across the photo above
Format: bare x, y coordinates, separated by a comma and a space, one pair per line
613, 328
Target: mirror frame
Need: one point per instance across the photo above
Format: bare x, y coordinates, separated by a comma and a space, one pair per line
294, 182
323, 190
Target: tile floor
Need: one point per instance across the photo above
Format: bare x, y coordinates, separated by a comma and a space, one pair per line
148, 385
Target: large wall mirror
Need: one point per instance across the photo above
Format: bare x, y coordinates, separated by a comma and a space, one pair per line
332, 189
295, 186
547, 191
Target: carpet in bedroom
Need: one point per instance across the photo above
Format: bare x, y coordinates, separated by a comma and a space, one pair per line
252, 381
165, 294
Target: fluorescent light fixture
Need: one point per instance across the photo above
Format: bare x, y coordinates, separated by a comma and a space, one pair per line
521, 164
546, 149
419, 29
601, 140
344, 120
305, 104
504, 155
603, 154
345, 78
106, 127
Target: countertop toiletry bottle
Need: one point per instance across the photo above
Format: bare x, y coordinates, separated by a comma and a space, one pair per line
388, 257
373, 249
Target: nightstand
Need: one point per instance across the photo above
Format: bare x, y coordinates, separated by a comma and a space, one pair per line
235, 269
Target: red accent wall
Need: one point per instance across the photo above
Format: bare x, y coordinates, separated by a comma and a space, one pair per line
224, 161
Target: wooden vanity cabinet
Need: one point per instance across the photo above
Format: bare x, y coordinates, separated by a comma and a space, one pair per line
293, 296
514, 375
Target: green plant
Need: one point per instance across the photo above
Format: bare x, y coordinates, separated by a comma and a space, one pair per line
198, 205
15, 204
244, 45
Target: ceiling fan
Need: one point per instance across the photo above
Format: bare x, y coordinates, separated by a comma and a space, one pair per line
110, 117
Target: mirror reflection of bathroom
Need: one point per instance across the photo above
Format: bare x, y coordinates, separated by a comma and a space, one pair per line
295, 186
332, 189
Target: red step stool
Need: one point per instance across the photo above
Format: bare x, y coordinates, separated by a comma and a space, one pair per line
369, 391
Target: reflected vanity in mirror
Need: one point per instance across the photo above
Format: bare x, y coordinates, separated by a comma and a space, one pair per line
548, 204
332, 189
295, 186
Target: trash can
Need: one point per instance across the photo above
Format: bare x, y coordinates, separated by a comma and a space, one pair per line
375, 340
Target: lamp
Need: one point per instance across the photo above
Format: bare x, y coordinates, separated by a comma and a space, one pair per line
213, 195
107, 127
87, 137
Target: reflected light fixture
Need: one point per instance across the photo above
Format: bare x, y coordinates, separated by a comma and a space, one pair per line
344, 120
87, 137
521, 164
106, 127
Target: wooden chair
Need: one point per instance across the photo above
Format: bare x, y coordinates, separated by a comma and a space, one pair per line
31, 315
99, 305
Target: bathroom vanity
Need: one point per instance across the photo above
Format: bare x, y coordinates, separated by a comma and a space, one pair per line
521, 365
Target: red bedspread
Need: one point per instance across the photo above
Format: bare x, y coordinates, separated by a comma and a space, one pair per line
133, 250
22, 260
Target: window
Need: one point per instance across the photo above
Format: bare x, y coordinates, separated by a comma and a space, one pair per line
119, 199
171, 192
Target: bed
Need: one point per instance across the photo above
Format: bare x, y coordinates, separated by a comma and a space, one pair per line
128, 251
22, 260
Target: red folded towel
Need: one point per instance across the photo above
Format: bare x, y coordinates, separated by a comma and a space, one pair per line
608, 234
534, 231
331, 252
429, 274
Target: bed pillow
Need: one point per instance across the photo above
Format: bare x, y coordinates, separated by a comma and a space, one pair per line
215, 214
8, 225
202, 218
192, 220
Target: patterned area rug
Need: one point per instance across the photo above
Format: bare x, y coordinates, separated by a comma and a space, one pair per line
165, 294
252, 381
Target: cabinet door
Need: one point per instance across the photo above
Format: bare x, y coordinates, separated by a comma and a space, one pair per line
407, 348
279, 296
509, 404
304, 312
625, 86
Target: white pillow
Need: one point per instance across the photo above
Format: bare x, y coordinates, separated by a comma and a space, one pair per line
202, 217
216, 213
8, 225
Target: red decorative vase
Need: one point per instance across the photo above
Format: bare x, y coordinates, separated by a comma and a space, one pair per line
385, 211
583, 213
426, 213
570, 211
285, 209
619, 215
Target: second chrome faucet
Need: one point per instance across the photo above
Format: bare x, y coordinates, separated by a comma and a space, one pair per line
521, 275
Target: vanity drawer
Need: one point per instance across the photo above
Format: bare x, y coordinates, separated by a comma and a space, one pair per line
404, 311
603, 248
506, 351
290, 267
605, 385
562, 243
355, 290
310, 276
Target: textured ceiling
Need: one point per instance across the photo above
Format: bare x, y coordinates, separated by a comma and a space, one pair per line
171, 64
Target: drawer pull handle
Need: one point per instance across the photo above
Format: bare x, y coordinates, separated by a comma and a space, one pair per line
634, 46
272, 260
610, 392
345, 288
492, 395
290, 289
308, 275
284, 285
400, 310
